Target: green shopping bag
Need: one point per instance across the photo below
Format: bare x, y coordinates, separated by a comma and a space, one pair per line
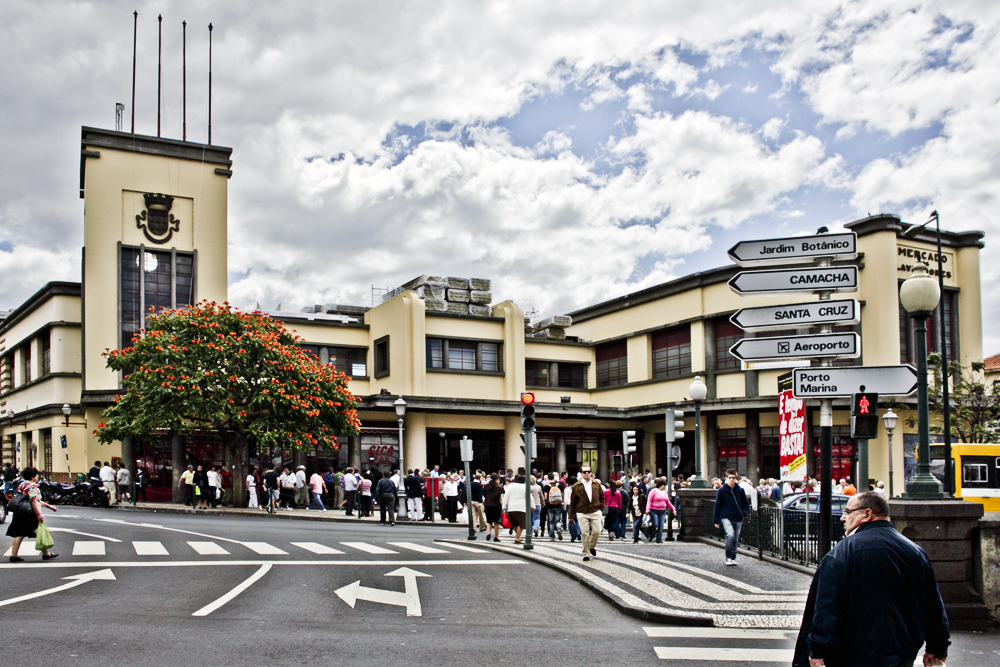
43, 538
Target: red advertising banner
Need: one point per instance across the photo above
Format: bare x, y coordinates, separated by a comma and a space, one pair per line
792, 433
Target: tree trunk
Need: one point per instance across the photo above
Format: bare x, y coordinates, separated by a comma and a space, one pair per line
240, 468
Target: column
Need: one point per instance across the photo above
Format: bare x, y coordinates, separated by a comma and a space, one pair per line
128, 456
354, 451
753, 446
514, 457
561, 454
710, 445
602, 459
179, 465
415, 439
647, 460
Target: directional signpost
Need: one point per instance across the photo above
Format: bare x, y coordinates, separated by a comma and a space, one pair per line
845, 311
843, 345
835, 382
779, 281
796, 249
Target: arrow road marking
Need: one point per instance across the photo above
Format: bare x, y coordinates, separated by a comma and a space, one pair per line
77, 532
409, 598
209, 608
77, 579
173, 530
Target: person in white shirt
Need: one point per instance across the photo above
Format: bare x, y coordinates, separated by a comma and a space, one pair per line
450, 493
214, 484
350, 482
123, 479
750, 491
252, 486
108, 480
880, 488
301, 490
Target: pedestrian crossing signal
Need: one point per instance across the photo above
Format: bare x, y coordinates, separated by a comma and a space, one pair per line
864, 416
527, 411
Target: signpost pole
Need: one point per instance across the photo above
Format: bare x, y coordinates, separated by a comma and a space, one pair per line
825, 449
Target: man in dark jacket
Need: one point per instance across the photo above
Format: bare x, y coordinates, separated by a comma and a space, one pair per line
874, 600
731, 506
385, 491
414, 496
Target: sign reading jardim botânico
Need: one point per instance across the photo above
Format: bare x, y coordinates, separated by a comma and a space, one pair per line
827, 279
795, 249
795, 347
845, 311
831, 382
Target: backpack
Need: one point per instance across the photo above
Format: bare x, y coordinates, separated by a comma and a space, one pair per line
555, 495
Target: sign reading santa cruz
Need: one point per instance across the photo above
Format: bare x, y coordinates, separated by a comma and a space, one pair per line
796, 249
845, 311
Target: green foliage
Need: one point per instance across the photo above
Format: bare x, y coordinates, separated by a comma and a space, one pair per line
974, 404
240, 374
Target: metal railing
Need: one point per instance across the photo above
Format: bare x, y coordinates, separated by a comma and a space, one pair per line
791, 535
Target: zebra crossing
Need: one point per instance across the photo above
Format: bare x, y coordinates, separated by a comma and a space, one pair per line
685, 645
148, 548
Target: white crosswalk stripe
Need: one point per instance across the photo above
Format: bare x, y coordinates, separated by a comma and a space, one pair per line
369, 548
779, 655
471, 550
767, 644
317, 548
419, 548
717, 633
208, 548
150, 549
88, 548
265, 549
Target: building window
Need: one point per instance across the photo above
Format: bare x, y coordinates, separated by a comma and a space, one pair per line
26, 364
382, 357
46, 462
351, 361
612, 364
463, 355
727, 334
732, 450
770, 452
163, 279
46, 353
563, 374
672, 353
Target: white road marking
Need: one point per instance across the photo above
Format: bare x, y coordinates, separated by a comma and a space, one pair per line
734, 654
265, 549
419, 548
717, 633
208, 549
150, 549
208, 609
317, 548
409, 598
216, 563
173, 530
471, 550
82, 534
369, 548
77, 579
88, 548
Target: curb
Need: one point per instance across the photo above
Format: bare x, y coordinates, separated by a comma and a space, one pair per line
751, 553
690, 619
317, 516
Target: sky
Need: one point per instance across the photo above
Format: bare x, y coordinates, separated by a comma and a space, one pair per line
571, 152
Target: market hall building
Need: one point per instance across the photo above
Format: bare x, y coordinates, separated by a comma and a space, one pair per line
155, 235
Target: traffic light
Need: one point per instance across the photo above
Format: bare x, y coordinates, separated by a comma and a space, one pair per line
527, 411
675, 425
864, 416
617, 463
628, 441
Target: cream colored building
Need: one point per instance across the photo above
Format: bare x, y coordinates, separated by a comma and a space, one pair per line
622, 364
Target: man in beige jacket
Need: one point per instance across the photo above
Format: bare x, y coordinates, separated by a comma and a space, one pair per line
586, 506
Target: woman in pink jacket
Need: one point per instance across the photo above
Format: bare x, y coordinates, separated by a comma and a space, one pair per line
616, 513
657, 504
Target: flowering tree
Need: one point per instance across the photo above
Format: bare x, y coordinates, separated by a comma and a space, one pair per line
974, 403
242, 375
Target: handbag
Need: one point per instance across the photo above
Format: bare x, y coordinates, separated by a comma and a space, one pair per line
43, 538
505, 520
20, 504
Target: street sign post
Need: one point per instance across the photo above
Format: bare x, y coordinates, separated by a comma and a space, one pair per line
844, 345
777, 281
795, 249
844, 311
831, 382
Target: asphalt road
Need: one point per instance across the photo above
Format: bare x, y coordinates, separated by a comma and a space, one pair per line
208, 590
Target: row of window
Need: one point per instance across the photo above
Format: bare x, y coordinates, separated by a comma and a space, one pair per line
20, 371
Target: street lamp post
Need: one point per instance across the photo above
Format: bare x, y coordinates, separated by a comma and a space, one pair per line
698, 391
889, 421
465, 447
400, 406
949, 476
919, 295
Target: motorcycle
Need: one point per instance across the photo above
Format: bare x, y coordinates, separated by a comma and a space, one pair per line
91, 495
55, 493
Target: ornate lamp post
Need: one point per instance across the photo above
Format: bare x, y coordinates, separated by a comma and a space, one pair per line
889, 421
400, 406
919, 296
698, 391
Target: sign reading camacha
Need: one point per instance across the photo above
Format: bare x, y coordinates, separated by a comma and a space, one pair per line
792, 434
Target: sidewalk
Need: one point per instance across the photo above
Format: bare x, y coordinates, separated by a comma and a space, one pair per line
678, 583
300, 514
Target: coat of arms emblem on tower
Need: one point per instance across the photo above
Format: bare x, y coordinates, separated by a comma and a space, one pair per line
157, 222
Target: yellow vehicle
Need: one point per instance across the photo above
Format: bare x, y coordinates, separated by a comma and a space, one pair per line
977, 472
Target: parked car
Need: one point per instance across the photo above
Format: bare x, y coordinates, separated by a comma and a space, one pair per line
800, 501
798, 506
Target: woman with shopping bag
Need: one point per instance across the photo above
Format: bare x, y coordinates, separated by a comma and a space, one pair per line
28, 522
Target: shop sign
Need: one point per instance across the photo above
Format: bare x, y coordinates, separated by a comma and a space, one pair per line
908, 255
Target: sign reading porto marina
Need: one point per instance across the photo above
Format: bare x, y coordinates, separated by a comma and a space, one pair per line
792, 437
826, 279
846, 311
796, 249
792, 347
832, 382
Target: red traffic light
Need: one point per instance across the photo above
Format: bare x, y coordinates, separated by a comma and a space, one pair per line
527, 398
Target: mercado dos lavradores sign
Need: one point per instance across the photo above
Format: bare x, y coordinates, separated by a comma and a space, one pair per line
908, 255
792, 437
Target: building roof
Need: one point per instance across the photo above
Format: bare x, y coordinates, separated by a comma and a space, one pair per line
48, 291
992, 364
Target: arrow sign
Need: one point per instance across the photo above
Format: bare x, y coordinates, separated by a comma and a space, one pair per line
829, 279
844, 311
797, 347
409, 598
77, 579
828, 382
795, 249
